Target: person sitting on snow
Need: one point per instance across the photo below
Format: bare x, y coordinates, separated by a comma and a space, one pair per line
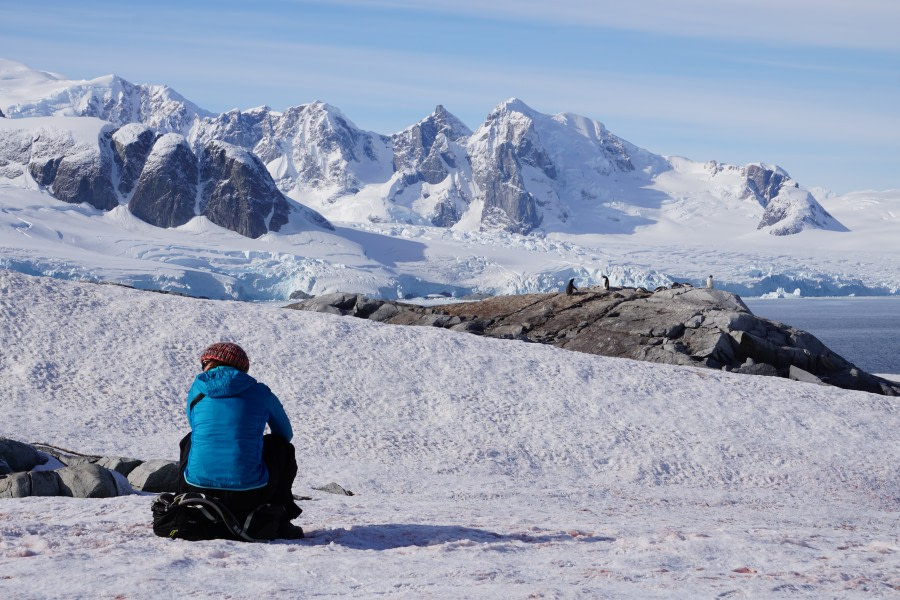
227, 454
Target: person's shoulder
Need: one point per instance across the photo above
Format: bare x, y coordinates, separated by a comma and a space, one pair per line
260, 389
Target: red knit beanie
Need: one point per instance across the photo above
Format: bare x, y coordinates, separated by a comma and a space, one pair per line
227, 354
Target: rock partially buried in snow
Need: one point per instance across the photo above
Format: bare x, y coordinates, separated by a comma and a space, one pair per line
683, 326
155, 476
334, 488
67, 473
15, 485
87, 481
119, 464
18, 456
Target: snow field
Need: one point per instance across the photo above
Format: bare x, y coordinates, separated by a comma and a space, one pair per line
482, 468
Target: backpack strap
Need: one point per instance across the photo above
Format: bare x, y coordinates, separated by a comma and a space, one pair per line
197, 399
214, 511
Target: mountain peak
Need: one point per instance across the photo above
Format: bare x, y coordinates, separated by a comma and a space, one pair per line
511, 105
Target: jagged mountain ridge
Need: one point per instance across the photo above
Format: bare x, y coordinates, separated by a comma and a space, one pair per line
521, 171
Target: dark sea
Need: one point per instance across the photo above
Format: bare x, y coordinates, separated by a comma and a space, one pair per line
864, 330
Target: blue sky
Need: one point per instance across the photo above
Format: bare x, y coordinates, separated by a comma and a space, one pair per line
810, 85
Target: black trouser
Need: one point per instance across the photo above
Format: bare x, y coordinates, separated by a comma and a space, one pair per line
281, 462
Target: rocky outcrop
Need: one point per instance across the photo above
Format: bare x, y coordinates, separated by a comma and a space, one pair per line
161, 178
683, 326
72, 171
788, 209
794, 210
42, 470
166, 190
131, 146
423, 149
238, 192
16, 456
506, 144
431, 154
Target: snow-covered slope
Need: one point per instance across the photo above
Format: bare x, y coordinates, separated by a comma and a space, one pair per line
41, 235
481, 468
25, 92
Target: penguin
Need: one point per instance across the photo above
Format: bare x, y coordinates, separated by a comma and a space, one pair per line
605, 282
570, 287
709, 282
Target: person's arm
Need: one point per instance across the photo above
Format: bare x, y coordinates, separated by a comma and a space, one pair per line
192, 393
278, 419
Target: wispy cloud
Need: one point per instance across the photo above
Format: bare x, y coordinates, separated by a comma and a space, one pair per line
835, 23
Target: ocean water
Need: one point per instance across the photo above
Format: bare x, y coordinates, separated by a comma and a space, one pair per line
864, 330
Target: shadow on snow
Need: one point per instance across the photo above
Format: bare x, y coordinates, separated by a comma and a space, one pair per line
391, 536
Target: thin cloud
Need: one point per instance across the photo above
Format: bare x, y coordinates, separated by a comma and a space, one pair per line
868, 24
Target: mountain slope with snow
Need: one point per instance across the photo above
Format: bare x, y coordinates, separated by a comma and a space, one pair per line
28, 93
522, 204
481, 468
521, 171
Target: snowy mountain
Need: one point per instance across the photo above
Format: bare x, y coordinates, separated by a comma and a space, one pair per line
311, 148
25, 92
522, 204
521, 171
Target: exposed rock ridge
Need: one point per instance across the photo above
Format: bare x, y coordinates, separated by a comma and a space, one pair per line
161, 179
682, 325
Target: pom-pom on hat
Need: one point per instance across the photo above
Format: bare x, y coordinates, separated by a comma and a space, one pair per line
227, 353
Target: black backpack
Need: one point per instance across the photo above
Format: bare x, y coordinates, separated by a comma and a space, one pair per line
193, 516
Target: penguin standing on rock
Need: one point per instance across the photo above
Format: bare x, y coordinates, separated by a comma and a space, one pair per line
709, 282
570, 287
605, 282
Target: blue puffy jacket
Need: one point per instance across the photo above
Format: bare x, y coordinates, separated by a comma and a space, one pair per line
227, 428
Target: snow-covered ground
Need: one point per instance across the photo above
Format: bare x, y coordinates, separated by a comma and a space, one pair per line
482, 468
41, 235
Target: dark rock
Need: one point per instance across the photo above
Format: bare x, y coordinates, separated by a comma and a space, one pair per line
84, 177
15, 485
798, 374
763, 184
155, 476
131, 145
74, 461
45, 483
299, 295
365, 307
166, 191
87, 481
341, 302
682, 326
121, 465
333, 488
754, 368
238, 192
19, 456
384, 312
